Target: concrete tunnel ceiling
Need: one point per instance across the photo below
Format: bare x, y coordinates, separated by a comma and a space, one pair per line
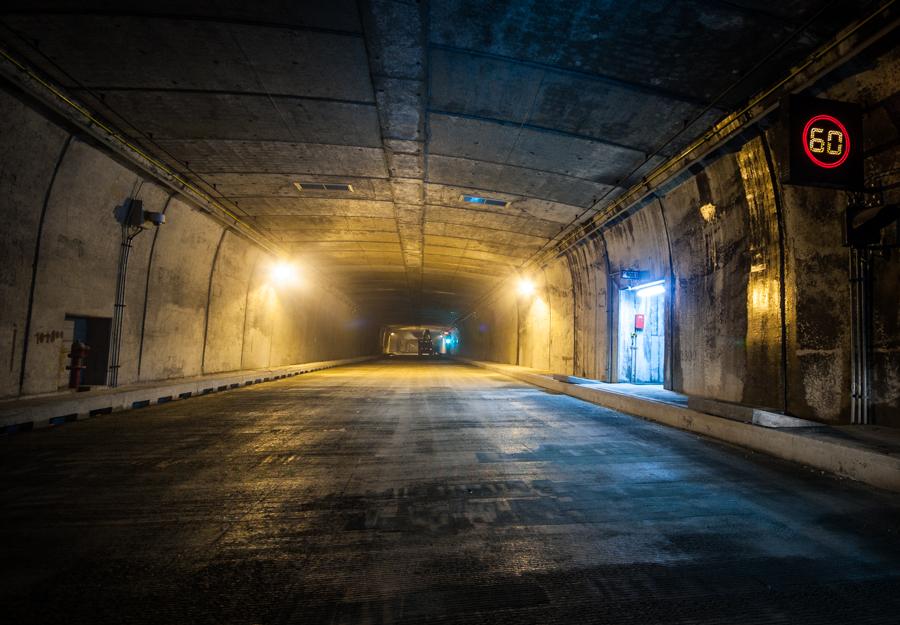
553, 108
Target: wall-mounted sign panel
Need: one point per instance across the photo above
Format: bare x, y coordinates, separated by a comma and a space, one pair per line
824, 143
632, 274
639, 323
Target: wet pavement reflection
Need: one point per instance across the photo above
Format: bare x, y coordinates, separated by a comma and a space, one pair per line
424, 491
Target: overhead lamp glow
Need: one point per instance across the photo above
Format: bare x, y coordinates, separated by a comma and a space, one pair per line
526, 287
650, 289
283, 273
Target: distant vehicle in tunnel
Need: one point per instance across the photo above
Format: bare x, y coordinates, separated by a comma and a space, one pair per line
417, 340
426, 344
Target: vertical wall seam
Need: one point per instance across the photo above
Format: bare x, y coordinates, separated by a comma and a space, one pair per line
518, 330
147, 288
549, 322
589, 311
12, 351
37, 255
577, 297
670, 321
587, 351
247, 307
599, 321
609, 310
212, 270
588, 319
575, 300
271, 336
779, 214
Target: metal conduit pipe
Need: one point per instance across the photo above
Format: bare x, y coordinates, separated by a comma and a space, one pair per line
129, 232
860, 312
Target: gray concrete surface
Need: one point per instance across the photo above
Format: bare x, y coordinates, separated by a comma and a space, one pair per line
198, 301
864, 453
748, 414
411, 491
555, 110
649, 391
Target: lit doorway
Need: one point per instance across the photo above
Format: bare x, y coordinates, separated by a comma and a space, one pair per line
641, 333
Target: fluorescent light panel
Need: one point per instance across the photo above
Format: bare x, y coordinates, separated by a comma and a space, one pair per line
476, 199
649, 289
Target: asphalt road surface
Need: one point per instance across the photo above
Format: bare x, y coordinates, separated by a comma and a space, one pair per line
420, 491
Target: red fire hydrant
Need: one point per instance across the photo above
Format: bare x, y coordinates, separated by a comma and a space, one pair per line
77, 357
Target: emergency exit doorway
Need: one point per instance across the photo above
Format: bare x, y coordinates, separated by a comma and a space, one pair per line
641, 331
93, 332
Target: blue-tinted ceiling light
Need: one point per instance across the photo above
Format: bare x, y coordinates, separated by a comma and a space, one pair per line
475, 199
650, 289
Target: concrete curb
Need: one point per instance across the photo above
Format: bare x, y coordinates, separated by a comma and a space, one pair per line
747, 414
857, 463
28, 413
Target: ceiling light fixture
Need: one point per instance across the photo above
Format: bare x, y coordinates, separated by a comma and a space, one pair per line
476, 199
283, 273
650, 289
526, 287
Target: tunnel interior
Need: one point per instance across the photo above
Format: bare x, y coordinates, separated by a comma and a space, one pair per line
412, 162
450, 311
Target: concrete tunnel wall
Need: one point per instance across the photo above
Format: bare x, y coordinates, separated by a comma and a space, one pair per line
198, 299
756, 274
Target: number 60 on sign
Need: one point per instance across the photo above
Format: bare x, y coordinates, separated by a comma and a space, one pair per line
823, 143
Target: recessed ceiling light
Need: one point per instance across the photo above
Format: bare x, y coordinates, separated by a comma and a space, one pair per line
476, 199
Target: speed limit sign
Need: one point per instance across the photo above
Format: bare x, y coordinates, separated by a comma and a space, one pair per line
824, 143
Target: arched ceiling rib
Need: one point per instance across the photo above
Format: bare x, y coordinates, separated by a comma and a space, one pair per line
547, 106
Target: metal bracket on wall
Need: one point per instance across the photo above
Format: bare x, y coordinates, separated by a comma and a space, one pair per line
55, 97
865, 220
626, 278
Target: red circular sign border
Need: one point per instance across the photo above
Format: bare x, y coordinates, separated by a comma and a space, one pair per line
809, 154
